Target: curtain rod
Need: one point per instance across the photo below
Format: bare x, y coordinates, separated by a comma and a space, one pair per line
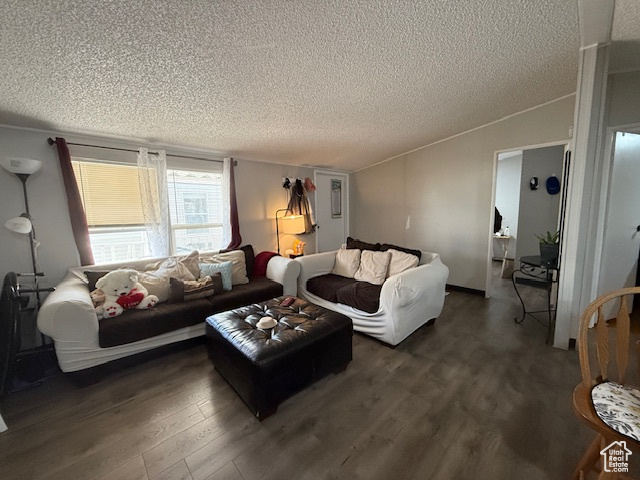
51, 141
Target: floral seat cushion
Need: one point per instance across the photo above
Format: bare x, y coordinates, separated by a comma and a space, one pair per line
619, 407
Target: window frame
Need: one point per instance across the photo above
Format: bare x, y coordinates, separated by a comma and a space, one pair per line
82, 153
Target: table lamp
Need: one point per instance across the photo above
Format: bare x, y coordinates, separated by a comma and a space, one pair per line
291, 224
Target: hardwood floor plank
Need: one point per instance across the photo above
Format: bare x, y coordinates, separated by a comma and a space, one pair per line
132, 470
103, 461
195, 437
223, 449
228, 472
178, 471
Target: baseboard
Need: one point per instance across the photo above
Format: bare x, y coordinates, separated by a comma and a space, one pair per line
472, 291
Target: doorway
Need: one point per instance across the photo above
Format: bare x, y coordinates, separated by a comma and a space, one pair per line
621, 239
332, 209
527, 206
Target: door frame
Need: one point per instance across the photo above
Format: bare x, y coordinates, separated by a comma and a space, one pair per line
345, 198
605, 188
487, 287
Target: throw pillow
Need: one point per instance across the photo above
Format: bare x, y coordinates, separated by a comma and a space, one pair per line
261, 262
401, 261
157, 281
185, 290
239, 270
224, 268
360, 245
373, 267
93, 277
386, 246
347, 262
191, 262
249, 258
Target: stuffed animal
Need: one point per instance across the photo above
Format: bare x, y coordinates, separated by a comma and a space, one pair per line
98, 297
122, 291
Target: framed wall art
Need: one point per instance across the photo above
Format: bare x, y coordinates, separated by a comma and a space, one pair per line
336, 198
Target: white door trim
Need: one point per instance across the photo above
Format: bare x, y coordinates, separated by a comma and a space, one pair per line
345, 198
605, 187
487, 286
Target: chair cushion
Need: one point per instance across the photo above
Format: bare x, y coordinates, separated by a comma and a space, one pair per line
361, 295
327, 286
619, 407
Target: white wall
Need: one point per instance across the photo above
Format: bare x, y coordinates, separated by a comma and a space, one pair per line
259, 192
446, 189
624, 99
538, 210
508, 200
258, 186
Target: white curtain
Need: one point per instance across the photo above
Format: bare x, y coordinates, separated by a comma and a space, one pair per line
152, 173
226, 212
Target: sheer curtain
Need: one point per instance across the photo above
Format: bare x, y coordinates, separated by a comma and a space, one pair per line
152, 174
231, 237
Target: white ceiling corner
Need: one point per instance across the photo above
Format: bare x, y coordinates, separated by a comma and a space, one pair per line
333, 84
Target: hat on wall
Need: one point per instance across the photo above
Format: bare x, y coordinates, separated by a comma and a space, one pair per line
533, 183
553, 185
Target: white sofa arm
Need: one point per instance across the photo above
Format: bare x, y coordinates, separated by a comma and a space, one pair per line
314, 265
67, 313
284, 271
417, 291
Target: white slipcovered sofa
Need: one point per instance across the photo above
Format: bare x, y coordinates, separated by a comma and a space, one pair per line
408, 300
69, 318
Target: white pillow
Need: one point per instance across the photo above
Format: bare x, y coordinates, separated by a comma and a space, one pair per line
347, 262
158, 286
190, 261
401, 261
157, 282
373, 267
239, 267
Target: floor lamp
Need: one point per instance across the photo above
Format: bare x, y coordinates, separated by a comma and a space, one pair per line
291, 224
23, 168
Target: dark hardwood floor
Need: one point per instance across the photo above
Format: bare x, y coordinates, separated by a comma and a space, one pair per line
474, 397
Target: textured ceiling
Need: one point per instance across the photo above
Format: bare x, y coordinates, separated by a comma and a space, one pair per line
317, 82
625, 35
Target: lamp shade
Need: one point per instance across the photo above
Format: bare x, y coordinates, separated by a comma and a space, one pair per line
24, 166
19, 225
293, 224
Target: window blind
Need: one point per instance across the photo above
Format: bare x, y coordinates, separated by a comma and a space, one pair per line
110, 193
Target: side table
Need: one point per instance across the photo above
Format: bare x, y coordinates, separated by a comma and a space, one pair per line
533, 272
507, 264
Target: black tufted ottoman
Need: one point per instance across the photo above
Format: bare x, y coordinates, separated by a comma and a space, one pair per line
267, 366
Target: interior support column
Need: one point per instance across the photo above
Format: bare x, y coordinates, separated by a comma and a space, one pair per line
578, 278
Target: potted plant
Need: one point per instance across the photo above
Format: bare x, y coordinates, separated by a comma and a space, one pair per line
549, 247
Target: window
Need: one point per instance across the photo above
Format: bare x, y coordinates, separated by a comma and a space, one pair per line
113, 206
195, 204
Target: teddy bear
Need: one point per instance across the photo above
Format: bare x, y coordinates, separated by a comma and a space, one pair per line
122, 291
98, 298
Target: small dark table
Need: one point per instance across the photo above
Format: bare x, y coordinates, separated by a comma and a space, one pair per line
267, 366
533, 272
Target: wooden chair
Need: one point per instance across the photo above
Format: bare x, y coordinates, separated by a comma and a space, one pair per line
583, 403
